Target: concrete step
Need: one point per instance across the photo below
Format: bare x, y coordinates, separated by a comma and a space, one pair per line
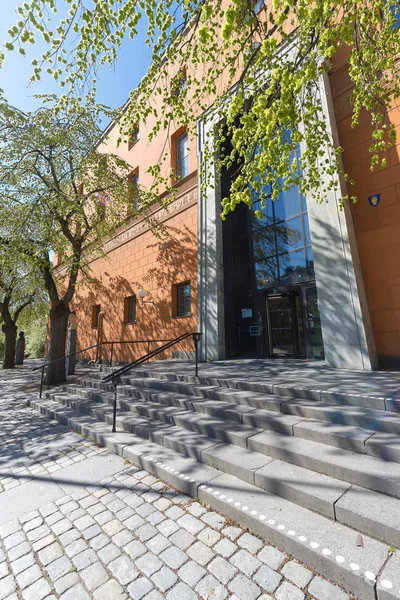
312, 490
324, 545
359, 469
348, 437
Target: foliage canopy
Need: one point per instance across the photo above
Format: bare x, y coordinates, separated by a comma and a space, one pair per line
254, 66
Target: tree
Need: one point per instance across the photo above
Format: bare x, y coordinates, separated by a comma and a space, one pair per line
254, 65
20, 287
61, 197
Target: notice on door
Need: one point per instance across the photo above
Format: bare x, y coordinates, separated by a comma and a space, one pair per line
247, 313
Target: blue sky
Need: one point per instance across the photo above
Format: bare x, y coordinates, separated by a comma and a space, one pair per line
113, 86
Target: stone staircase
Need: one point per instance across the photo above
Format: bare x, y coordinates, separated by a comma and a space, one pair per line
316, 474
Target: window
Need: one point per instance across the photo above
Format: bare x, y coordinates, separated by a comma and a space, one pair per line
258, 5
183, 299
179, 83
95, 315
130, 309
182, 156
395, 10
133, 137
134, 190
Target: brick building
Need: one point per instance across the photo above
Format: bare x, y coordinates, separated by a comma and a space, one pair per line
317, 283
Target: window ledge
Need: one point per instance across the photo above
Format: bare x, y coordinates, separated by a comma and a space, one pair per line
128, 322
181, 316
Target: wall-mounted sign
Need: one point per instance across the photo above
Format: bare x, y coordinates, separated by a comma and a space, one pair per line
255, 330
247, 313
374, 200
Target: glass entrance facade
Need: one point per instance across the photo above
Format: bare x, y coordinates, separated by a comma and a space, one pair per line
271, 304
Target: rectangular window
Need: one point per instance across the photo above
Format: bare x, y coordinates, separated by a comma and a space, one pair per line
133, 137
182, 156
258, 5
95, 315
179, 83
130, 309
183, 299
134, 190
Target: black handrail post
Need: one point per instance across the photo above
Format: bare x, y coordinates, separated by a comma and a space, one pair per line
196, 339
115, 384
41, 381
112, 350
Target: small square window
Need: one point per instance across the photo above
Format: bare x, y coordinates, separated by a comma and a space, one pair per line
95, 315
133, 137
130, 309
179, 83
258, 6
182, 156
183, 296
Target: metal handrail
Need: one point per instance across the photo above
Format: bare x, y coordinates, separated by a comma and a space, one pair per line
104, 343
115, 377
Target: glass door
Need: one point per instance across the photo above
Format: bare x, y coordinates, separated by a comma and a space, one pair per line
315, 345
280, 316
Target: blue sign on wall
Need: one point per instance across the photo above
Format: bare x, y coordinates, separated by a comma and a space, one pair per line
374, 200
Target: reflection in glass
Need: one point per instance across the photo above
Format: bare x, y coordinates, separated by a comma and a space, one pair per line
306, 230
288, 204
292, 267
266, 272
289, 235
264, 243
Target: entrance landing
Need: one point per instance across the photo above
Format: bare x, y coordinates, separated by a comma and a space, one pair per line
296, 378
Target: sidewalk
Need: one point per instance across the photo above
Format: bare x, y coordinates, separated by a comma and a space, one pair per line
77, 522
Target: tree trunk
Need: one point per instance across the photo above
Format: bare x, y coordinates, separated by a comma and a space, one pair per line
55, 373
10, 331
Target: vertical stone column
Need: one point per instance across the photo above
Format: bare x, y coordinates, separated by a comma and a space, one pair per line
19, 356
211, 320
345, 319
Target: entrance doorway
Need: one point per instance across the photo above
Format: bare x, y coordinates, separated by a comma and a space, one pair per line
294, 324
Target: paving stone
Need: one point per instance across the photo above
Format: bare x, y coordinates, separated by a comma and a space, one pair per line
98, 542
135, 549
200, 553
84, 522
20, 564
182, 538
232, 532
37, 591
154, 595
191, 524
43, 542
33, 524
50, 553
191, 573
214, 520
246, 562
4, 570
271, 557
29, 576
7, 586
91, 532
267, 578
69, 537
134, 522
323, 590
58, 568
62, 526
181, 592
19, 551
66, 582
112, 527
139, 588
158, 543
287, 591
209, 587
84, 559
175, 513
14, 540
109, 553
222, 570
76, 547
162, 504
123, 570
76, 593
144, 510
209, 536
9, 529
168, 527
94, 576
149, 564
164, 579
146, 532
243, 588
297, 573
111, 589
174, 557
225, 547
250, 542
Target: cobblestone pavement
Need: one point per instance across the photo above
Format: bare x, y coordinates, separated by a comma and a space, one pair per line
127, 536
